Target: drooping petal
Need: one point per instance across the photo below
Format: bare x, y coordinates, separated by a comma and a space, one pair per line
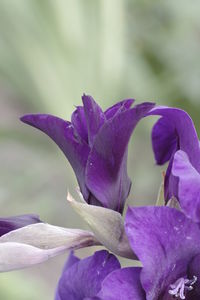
165, 241
179, 125
164, 140
106, 170
188, 185
15, 222
94, 117
79, 123
107, 226
62, 133
122, 284
124, 104
83, 279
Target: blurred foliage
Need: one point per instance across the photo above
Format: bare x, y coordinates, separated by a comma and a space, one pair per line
51, 51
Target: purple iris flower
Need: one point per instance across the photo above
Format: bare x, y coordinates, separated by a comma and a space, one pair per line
174, 139
15, 222
96, 145
168, 246
81, 279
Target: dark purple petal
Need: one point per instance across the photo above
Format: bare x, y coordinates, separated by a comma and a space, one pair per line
176, 122
122, 284
106, 170
83, 279
188, 185
63, 134
164, 140
11, 223
79, 123
194, 269
94, 117
124, 104
165, 241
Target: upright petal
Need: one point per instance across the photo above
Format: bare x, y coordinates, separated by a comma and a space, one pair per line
188, 185
106, 171
11, 223
62, 133
122, 284
122, 105
79, 123
165, 241
94, 117
83, 279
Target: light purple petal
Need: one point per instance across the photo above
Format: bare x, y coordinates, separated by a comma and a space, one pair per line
83, 279
106, 171
79, 122
188, 185
165, 241
11, 223
122, 105
122, 284
94, 117
63, 134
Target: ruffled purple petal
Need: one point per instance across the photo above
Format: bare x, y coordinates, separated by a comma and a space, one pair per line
94, 117
106, 171
188, 185
122, 105
83, 278
64, 135
122, 284
79, 123
11, 223
165, 241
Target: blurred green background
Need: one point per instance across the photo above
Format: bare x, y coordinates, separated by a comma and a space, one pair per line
51, 51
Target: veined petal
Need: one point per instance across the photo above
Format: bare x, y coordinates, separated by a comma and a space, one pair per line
15, 256
83, 279
122, 284
188, 185
165, 241
46, 236
94, 117
106, 170
107, 226
62, 133
122, 105
42, 241
11, 223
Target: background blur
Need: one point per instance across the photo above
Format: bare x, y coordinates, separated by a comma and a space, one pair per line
51, 51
